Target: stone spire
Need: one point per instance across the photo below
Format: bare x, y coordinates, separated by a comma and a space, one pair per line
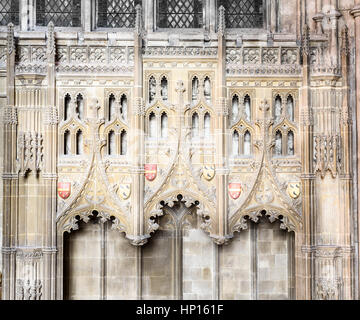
50, 38
222, 24
306, 40
138, 21
10, 38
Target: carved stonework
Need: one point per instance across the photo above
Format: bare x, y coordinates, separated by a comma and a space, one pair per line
10, 115
51, 116
10, 39
327, 154
29, 152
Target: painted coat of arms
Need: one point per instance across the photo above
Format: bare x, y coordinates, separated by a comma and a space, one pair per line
125, 191
294, 189
208, 172
235, 190
150, 171
64, 189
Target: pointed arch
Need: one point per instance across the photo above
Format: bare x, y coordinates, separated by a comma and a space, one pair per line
207, 89
111, 143
235, 107
195, 89
80, 106
247, 108
277, 108
164, 88
164, 125
111, 110
278, 143
79, 143
123, 146
290, 143
152, 125
235, 143
152, 89
247, 143
124, 106
207, 125
290, 108
195, 125
67, 111
67, 142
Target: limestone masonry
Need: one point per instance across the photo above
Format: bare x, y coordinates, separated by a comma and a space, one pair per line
179, 149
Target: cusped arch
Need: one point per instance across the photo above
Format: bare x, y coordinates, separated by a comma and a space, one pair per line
69, 221
155, 209
287, 220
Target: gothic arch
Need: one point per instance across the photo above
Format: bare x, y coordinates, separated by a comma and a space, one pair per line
154, 209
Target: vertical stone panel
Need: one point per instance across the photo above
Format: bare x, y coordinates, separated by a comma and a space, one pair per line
157, 264
198, 263
120, 272
82, 262
235, 268
273, 268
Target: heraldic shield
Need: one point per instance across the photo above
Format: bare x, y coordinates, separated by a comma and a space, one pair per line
125, 191
294, 189
234, 190
64, 189
208, 172
150, 171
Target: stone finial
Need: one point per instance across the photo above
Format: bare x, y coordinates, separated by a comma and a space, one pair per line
345, 40
306, 40
10, 38
222, 24
50, 38
138, 21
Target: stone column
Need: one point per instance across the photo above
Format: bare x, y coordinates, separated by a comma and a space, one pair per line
303, 267
346, 179
10, 178
356, 13
50, 170
222, 170
138, 149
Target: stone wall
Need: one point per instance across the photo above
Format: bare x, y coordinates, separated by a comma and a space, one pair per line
100, 264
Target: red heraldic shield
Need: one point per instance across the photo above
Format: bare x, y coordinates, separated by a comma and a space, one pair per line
150, 171
234, 190
64, 189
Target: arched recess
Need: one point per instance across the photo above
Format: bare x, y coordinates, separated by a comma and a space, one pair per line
286, 220
262, 256
181, 250
81, 220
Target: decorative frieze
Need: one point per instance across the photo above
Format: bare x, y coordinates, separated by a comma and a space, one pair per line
262, 61
160, 52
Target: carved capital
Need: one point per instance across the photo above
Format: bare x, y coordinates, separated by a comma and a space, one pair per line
355, 11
